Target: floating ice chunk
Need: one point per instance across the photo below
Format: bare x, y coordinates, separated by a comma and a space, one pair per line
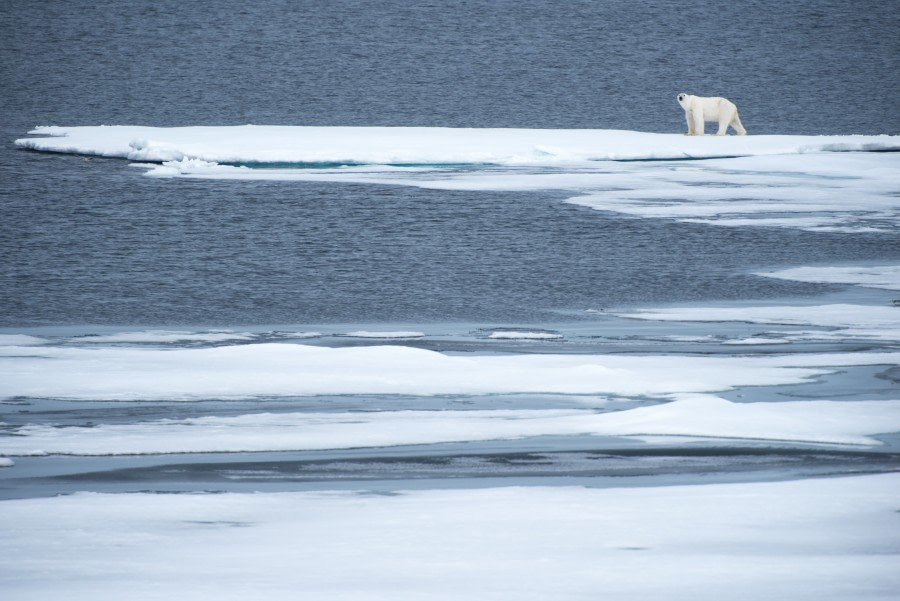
6, 462
876, 276
517, 335
846, 321
163, 336
384, 335
756, 340
837, 315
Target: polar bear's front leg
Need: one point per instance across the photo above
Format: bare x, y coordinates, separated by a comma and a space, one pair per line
699, 125
690, 121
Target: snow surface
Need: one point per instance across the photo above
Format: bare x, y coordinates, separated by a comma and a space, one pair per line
419, 145
274, 369
825, 539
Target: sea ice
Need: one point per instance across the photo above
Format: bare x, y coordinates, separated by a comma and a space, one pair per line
886, 277
275, 369
384, 335
164, 336
418, 145
20, 340
688, 416
828, 539
517, 335
846, 321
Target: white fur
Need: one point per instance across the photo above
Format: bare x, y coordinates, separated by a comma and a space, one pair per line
699, 109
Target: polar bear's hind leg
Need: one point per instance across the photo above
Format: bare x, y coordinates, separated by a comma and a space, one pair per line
727, 115
737, 126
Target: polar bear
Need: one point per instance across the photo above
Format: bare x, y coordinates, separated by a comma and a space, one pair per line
698, 109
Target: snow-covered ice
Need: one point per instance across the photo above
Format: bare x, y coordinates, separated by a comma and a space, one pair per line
825, 539
166, 336
886, 277
276, 369
521, 335
842, 321
689, 416
419, 145
384, 335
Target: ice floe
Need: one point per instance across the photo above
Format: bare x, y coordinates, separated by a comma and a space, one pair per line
384, 335
886, 277
274, 369
827, 539
522, 335
689, 416
165, 336
251, 144
844, 321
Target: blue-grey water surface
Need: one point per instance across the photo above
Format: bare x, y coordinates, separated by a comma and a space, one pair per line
95, 243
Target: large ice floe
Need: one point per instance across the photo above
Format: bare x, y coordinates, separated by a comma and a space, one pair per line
689, 417
252, 144
273, 369
846, 183
829, 539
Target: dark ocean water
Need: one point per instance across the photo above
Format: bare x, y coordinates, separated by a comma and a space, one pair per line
96, 243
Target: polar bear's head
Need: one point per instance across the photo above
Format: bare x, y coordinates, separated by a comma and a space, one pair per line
682, 98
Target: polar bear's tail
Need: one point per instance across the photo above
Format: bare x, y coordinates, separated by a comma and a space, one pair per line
736, 124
